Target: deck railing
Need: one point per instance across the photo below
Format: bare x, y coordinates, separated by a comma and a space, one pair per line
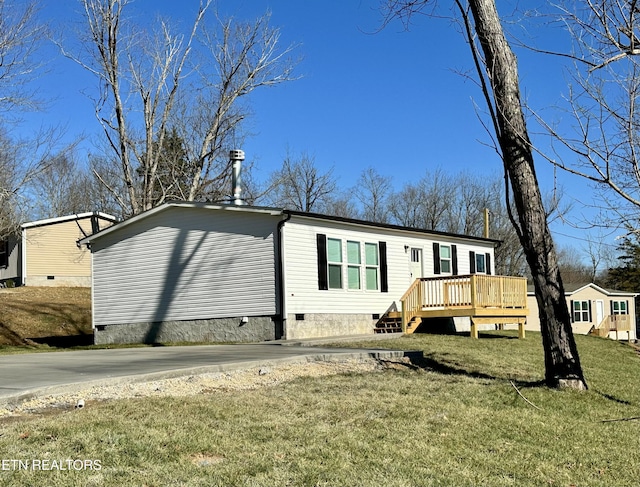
476, 291
613, 323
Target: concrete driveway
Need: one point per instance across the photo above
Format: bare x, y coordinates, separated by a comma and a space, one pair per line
27, 375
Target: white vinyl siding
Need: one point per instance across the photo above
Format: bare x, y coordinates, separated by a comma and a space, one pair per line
186, 264
301, 260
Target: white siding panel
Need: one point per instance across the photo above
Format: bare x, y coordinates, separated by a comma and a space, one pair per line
301, 285
185, 264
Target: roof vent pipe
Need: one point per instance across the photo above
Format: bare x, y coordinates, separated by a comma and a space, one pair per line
236, 156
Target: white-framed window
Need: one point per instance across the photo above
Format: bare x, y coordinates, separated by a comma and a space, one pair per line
351, 265
481, 265
372, 266
334, 263
581, 311
445, 258
354, 265
619, 308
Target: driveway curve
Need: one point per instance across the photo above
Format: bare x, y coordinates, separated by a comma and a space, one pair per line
24, 376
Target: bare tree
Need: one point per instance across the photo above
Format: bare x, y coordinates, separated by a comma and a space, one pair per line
20, 162
425, 204
405, 206
300, 185
496, 67
602, 101
152, 83
20, 37
372, 191
470, 196
11, 181
574, 270
63, 187
341, 204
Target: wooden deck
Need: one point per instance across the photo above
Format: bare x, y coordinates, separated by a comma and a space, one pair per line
484, 299
615, 323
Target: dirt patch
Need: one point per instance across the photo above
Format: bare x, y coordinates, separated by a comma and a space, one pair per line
30, 315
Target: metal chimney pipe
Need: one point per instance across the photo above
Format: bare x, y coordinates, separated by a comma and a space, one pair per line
236, 156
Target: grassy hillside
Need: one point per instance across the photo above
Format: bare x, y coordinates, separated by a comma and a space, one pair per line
454, 420
58, 316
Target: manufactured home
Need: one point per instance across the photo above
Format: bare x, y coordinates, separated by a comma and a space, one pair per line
594, 310
204, 272
49, 250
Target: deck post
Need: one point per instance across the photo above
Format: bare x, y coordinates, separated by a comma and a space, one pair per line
521, 324
404, 317
474, 301
474, 329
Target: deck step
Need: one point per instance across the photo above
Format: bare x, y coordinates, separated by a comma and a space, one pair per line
388, 324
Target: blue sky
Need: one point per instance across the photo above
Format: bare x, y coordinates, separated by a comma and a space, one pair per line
392, 99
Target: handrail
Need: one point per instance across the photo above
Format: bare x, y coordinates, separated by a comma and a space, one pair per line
472, 291
615, 323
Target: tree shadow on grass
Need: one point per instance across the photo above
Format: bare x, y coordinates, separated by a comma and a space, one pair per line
10, 337
613, 398
433, 364
68, 341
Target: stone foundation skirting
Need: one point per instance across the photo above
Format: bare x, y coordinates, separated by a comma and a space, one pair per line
255, 329
319, 325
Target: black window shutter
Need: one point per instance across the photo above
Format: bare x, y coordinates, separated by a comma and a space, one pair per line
487, 263
384, 276
611, 307
472, 262
627, 310
454, 260
323, 278
4, 253
590, 319
436, 258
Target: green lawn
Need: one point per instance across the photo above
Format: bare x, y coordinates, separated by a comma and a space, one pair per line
455, 421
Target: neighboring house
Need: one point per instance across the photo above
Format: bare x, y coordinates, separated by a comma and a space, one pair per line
195, 271
51, 255
594, 310
10, 259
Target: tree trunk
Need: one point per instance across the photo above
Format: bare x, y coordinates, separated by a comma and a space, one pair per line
562, 364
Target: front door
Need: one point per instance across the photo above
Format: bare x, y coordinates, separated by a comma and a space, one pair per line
599, 311
416, 264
